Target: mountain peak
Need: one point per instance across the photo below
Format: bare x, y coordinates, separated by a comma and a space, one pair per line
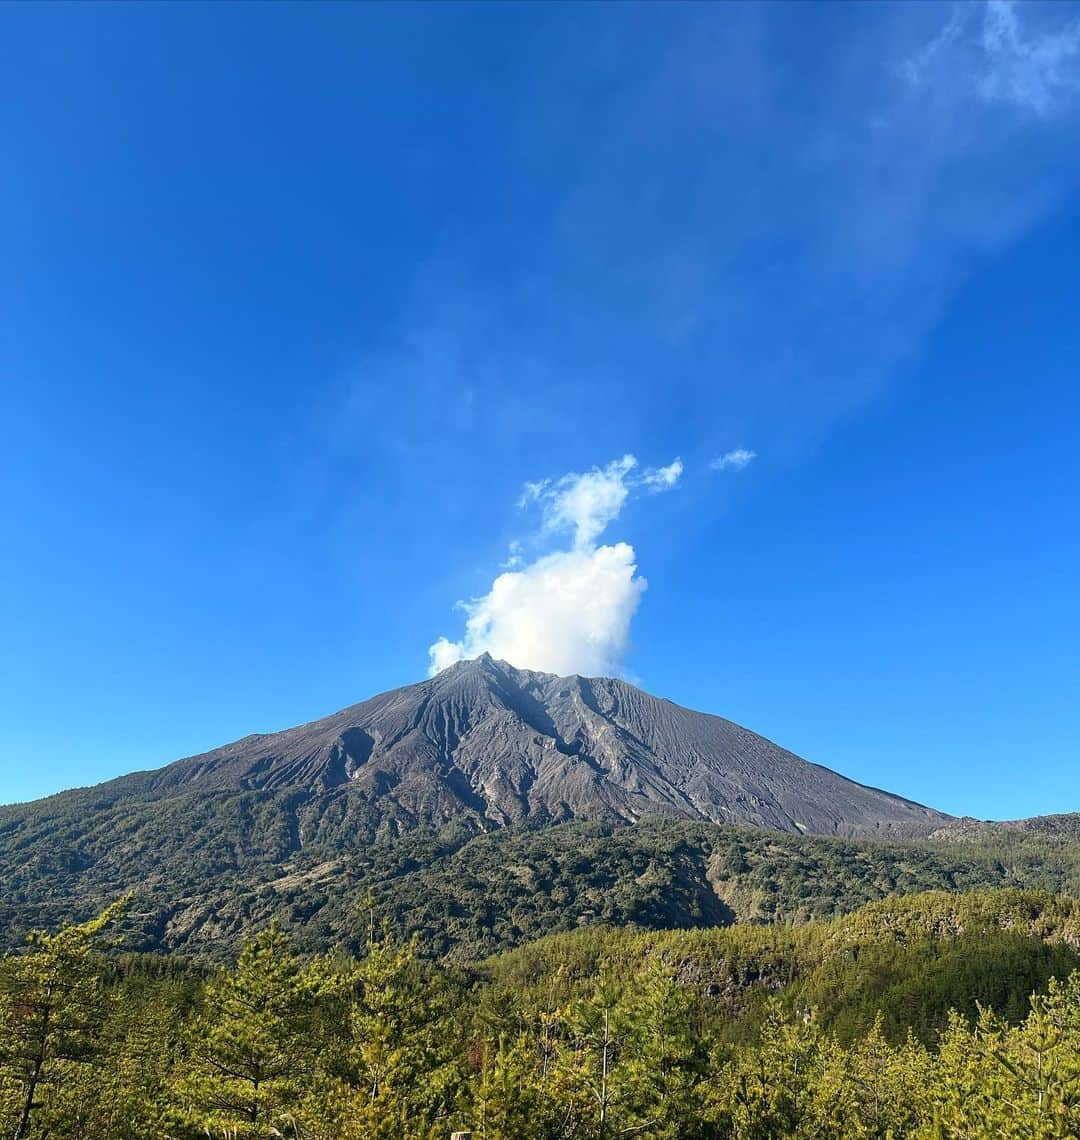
492, 744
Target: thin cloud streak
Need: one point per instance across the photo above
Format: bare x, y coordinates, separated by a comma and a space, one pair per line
733, 460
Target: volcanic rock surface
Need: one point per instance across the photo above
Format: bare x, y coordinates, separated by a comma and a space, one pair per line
499, 745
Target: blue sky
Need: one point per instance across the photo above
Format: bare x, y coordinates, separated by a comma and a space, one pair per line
297, 300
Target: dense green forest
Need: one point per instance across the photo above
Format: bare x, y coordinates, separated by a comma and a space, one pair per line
911, 1017
208, 869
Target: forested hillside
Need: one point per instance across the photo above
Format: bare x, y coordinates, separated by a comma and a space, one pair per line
470, 895
908, 1018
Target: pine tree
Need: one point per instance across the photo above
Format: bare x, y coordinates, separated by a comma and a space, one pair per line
405, 1044
664, 1061
251, 1050
51, 1010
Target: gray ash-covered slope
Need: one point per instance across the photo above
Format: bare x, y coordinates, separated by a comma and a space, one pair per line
495, 745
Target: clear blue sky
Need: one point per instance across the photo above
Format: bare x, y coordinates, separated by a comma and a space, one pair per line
295, 299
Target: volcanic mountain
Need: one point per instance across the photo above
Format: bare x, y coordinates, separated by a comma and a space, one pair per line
446, 801
496, 745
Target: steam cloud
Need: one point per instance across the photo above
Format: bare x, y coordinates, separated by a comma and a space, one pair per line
568, 611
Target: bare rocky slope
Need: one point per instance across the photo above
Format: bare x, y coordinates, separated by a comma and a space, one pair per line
497, 745
1063, 826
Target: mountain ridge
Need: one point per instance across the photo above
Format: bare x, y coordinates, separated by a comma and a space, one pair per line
496, 745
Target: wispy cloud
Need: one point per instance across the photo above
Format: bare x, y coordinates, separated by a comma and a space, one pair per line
584, 504
1030, 68
659, 479
569, 610
999, 52
734, 460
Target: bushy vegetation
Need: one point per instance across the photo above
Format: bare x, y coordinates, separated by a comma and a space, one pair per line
207, 868
909, 1018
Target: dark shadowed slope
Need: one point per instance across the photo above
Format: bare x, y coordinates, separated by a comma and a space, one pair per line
494, 745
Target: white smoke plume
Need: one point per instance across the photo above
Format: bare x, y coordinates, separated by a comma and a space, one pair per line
568, 611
